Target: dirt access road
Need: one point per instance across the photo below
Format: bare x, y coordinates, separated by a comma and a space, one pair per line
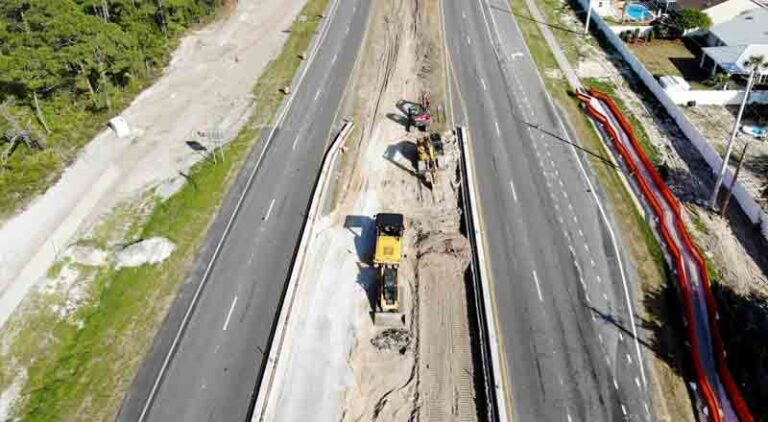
338, 365
206, 85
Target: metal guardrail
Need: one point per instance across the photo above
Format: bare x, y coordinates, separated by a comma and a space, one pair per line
490, 356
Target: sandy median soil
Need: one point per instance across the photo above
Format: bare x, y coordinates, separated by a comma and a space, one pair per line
206, 87
338, 365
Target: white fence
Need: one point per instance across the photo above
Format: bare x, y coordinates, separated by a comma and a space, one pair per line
744, 199
724, 97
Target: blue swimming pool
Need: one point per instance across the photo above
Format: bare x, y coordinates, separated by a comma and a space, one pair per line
639, 12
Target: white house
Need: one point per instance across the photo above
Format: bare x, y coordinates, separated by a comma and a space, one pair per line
731, 43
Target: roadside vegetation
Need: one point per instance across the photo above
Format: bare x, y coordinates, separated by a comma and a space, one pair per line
79, 367
665, 348
66, 68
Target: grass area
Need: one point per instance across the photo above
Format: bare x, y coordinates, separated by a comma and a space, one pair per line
670, 57
644, 249
79, 368
640, 133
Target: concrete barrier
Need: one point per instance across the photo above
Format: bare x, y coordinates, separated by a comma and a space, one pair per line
490, 354
715, 97
747, 203
280, 337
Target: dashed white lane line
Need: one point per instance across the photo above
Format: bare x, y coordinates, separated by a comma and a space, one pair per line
514, 193
538, 287
468, 40
637, 382
485, 87
629, 358
624, 410
498, 130
317, 94
334, 58
295, 141
269, 210
347, 31
615, 384
229, 314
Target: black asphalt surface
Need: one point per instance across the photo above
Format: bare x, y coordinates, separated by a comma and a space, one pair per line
218, 362
561, 301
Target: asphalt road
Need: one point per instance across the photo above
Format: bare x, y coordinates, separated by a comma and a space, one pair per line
561, 292
219, 359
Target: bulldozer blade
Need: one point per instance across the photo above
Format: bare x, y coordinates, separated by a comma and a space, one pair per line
389, 319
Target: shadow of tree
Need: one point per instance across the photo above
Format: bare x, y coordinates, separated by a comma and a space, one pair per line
744, 326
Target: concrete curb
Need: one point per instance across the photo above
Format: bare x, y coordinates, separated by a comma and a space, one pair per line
263, 408
489, 341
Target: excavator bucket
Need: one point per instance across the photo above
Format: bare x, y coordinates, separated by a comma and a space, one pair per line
389, 319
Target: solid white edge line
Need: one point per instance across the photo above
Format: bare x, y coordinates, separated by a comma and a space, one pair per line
229, 314
185, 320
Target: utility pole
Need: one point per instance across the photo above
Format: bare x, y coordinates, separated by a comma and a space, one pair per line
754, 63
589, 16
733, 181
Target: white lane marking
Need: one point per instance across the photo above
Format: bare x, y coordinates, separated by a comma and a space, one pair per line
600, 337
514, 193
347, 31
498, 130
468, 40
317, 94
538, 287
581, 233
569, 417
615, 385
637, 382
629, 358
485, 87
624, 410
621, 336
293, 147
269, 210
334, 58
229, 314
463, 14
599, 280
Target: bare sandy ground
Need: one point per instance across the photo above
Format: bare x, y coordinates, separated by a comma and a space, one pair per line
337, 364
207, 86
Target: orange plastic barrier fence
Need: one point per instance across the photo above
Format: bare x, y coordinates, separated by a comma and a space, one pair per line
706, 388
737, 399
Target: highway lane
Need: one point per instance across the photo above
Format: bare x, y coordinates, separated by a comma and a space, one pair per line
562, 298
216, 366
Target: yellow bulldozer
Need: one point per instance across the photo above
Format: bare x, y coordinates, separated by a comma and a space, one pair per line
389, 234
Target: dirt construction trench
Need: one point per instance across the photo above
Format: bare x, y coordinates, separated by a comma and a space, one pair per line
338, 364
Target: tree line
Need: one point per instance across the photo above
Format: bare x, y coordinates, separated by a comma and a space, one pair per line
84, 49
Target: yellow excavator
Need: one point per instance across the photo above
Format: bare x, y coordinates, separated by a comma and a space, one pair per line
428, 148
389, 234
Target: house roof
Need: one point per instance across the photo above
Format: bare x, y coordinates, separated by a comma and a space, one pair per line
750, 27
732, 58
698, 4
